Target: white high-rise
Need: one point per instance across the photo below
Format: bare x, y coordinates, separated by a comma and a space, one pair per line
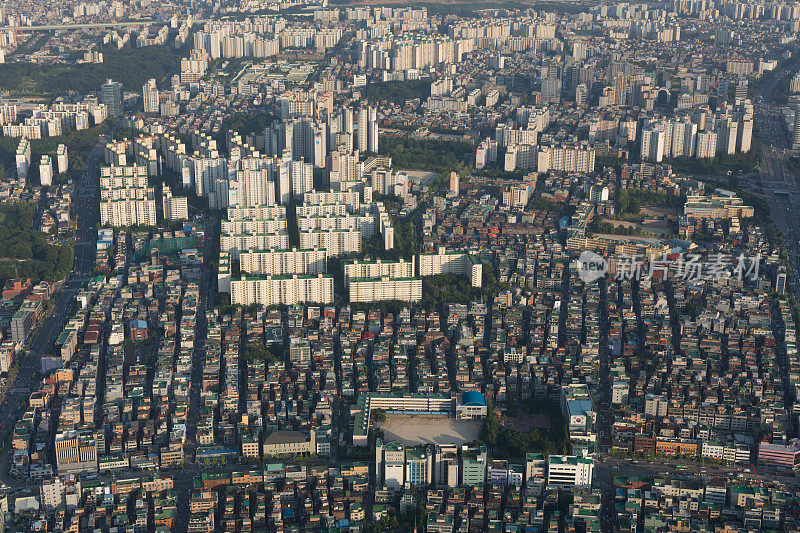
302, 178
125, 198
175, 207
653, 144
23, 158
45, 171
368, 129
150, 96
287, 290
706, 145
61, 159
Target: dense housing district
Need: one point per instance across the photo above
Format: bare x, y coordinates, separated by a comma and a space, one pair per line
363, 266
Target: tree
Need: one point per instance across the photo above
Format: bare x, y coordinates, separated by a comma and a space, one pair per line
398, 92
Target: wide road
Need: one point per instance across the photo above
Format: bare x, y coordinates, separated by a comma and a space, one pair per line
778, 183
85, 205
88, 25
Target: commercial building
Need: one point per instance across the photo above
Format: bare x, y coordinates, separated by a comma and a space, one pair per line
75, 452
787, 456
473, 465
578, 410
390, 464
111, 96
569, 470
150, 97
446, 467
419, 466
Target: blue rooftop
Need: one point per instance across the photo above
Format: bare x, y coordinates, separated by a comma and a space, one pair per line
473, 398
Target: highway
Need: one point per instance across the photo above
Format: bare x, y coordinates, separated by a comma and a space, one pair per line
49, 27
778, 184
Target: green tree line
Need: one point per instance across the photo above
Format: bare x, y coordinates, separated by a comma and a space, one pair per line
25, 251
398, 92
75, 141
131, 66
510, 442
630, 201
427, 154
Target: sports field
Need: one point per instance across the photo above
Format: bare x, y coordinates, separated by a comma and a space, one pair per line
432, 429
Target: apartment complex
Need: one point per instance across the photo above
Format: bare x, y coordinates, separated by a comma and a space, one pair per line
451, 262
403, 289
175, 207
277, 290
125, 197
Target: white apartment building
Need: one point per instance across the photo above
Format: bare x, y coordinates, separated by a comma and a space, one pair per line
302, 177
706, 145
377, 269
254, 228
23, 158
256, 212
450, 262
566, 158
385, 288
175, 207
45, 171
61, 159
486, 153
234, 243
252, 187
387, 181
569, 470
150, 97
336, 242
520, 157
653, 140
368, 129
366, 224
283, 262
125, 198
277, 290
351, 199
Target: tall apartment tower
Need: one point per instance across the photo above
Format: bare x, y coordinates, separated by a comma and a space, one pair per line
796, 129
61, 159
150, 96
23, 158
45, 171
368, 129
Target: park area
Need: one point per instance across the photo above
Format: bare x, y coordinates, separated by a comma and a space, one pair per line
429, 429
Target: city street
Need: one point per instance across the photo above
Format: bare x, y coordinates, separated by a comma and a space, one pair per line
85, 206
